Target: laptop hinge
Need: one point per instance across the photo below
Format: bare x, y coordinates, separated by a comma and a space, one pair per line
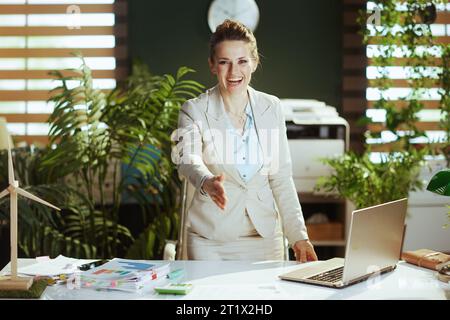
366, 276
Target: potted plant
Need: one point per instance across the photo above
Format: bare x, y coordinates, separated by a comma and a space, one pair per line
366, 183
103, 147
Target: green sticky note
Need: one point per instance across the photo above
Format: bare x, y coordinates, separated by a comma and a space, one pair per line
175, 288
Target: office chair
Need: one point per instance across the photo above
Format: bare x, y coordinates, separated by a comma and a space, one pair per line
176, 250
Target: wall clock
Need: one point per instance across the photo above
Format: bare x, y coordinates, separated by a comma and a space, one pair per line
244, 11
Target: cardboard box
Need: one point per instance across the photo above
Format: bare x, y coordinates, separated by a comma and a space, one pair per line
326, 231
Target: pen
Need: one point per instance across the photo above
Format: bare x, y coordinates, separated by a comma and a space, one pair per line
175, 274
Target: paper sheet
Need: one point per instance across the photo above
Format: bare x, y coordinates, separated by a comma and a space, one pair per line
54, 267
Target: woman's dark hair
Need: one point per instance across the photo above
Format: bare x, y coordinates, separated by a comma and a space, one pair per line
233, 30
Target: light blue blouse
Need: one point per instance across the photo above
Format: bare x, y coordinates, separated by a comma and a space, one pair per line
247, 153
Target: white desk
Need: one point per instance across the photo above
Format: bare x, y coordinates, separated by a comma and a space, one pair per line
240, 280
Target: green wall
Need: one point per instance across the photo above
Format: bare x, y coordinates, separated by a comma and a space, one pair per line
300, 42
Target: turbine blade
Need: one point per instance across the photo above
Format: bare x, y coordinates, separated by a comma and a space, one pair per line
4, 193
10, 165
33, 197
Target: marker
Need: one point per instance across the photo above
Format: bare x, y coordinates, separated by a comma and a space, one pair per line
175, 288
175, 274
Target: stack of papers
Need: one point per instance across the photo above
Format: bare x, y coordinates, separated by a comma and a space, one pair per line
125, 275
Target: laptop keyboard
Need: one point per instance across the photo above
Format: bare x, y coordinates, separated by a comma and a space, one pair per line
332, 276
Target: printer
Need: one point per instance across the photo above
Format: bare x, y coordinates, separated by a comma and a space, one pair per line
314, 130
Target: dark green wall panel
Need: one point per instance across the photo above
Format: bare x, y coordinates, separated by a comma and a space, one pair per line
300, 42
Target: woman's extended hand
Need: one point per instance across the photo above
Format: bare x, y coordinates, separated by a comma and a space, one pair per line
214, 187
304, 251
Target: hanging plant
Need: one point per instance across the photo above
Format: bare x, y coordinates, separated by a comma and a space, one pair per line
401, 33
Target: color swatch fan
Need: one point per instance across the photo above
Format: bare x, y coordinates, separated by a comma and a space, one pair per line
125, 275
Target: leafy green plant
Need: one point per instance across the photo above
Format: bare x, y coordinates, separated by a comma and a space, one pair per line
120, 139
440, 183
366, 183
124, 137
405, 32
444, 103
357, 177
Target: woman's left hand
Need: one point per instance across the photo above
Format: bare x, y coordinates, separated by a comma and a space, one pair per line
304, 251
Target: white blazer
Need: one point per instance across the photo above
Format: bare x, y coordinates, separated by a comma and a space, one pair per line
269, 194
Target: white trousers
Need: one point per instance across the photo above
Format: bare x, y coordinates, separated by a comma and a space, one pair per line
249, 246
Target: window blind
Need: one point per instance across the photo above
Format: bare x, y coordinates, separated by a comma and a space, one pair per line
354, 62
37, 36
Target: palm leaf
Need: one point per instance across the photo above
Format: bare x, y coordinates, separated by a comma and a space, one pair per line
440, 183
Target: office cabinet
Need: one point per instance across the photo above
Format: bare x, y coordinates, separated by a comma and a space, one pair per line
328, 237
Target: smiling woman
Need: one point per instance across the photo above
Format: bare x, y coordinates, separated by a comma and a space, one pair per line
244, 131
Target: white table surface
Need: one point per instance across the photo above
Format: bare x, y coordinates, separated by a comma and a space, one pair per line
245, 280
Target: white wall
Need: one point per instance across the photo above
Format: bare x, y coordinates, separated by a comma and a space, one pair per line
426, 216
427, 213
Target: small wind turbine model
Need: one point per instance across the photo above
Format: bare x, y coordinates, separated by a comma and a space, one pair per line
15, 282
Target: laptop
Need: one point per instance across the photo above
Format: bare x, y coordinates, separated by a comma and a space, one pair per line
373, 247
